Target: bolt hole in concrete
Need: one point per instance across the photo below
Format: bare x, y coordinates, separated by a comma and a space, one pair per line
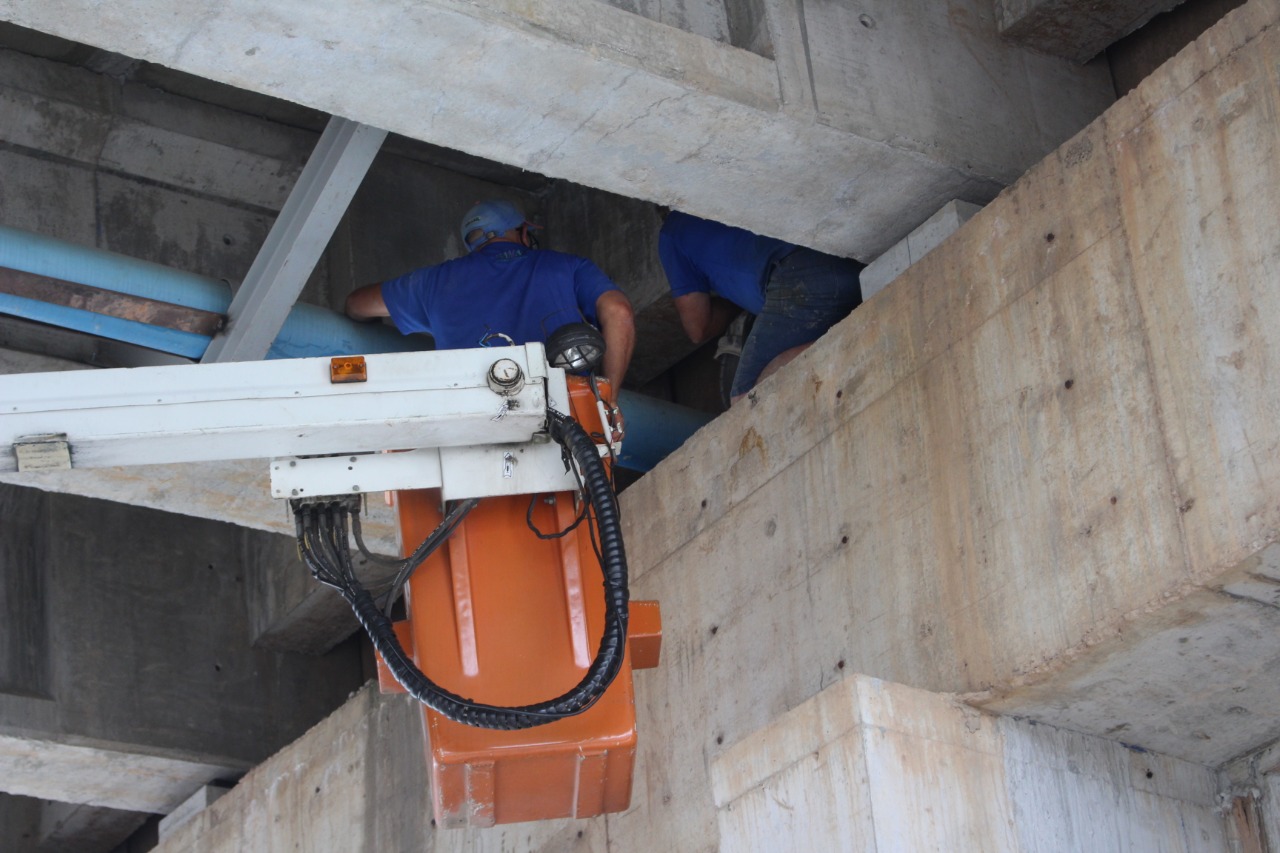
1050, 237
867, 21
1068, 384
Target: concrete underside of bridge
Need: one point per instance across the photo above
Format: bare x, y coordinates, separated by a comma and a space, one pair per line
994, 565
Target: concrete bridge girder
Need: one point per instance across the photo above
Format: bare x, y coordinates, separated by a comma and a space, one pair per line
857, 132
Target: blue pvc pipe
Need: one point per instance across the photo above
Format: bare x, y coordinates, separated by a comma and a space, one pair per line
308, 330
654, 427
48, 256
311, 331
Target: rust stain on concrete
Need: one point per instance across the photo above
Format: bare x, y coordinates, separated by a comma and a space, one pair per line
751, 440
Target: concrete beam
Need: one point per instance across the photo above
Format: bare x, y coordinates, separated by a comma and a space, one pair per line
1077, 30
1050, 440
1191, 677
921, 241
192, 806
855, 133
881, 766
71, 828
130, 689
102, 776
1253, 781
863, 765
357, 782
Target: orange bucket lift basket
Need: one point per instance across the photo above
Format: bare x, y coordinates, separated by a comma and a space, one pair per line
503, 617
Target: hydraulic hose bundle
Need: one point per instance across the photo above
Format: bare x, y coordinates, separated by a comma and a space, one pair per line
322, 531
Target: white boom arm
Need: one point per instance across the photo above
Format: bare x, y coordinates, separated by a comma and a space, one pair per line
473, 421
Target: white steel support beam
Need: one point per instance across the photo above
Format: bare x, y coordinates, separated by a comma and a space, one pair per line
306, 223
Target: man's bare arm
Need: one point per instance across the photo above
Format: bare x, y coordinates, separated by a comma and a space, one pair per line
704, 316
618, 325
366, 303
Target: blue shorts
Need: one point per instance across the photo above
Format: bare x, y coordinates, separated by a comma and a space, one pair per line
807, 293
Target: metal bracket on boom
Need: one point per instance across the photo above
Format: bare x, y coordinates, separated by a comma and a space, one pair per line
43, 453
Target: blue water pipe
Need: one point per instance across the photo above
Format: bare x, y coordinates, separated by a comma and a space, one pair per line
654, 427
308, 331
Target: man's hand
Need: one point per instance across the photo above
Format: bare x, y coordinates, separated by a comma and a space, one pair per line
617, 424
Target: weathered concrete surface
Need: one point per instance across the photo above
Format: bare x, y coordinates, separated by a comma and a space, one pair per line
1194, 676
76, 142
192, 806
853, 135
869, 765
70, 828
1255, 779
1074, 29
356, 783
127, 679
1270, 795
44, 826
103, 774
864, 765
1054, 430
288, 611
926, 237
1133, 58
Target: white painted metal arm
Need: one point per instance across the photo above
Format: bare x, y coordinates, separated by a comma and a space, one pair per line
291, 408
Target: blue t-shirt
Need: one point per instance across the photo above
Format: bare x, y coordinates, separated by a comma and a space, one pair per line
499, 288
701, 256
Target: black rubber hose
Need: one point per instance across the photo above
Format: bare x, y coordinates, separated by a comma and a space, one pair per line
609, 656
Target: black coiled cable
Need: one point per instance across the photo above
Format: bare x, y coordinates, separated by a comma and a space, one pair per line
322, 531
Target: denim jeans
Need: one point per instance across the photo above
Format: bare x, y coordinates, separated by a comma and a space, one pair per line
807, 293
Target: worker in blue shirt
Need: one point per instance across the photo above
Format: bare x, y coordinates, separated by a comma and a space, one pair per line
716, 271
503, 291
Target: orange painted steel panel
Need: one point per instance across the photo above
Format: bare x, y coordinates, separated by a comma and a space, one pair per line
503, 617
644, 634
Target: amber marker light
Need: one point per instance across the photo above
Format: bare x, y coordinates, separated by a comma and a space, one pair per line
348, 368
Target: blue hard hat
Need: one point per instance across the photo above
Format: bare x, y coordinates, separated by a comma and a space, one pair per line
489, 219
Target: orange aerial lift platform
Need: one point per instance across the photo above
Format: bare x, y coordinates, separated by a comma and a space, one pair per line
508, 613
511, 615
